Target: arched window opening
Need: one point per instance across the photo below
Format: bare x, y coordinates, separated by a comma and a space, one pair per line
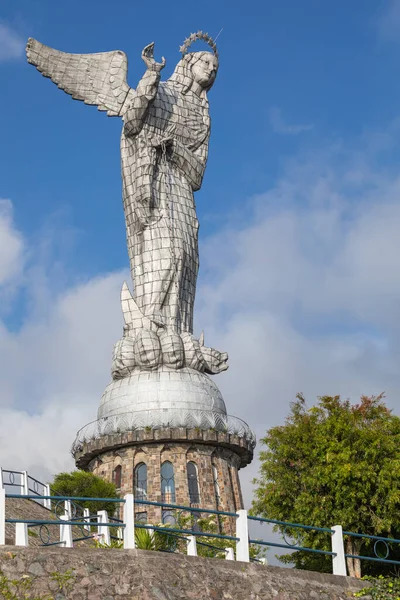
117, 476
141, 481
168, 517
216, 486
193, 483
232, 487
217, 496
141, 517
167, 482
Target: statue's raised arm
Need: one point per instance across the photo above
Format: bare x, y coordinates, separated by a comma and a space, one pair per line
139, 100
98, 79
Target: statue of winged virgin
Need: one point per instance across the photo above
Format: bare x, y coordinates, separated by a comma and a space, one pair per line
164, 148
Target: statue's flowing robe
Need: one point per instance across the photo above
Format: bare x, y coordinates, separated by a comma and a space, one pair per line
158, 186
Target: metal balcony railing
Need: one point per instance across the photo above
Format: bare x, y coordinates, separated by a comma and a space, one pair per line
163, 418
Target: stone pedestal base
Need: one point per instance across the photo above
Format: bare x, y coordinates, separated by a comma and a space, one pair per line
217, 455
175, 418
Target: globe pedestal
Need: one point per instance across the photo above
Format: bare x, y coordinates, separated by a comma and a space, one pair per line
151, 418
183, 390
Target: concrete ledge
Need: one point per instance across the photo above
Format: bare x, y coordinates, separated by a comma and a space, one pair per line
141, 575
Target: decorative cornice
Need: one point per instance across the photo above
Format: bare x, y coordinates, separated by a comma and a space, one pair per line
85, 451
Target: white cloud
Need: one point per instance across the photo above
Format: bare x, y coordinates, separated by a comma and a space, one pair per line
279, 125
64, 353
11, 44
388, 21
11, 245
12, 256
41, 442
52, 375
54, 368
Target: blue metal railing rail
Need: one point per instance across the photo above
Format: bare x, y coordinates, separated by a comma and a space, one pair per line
23, 481
66, 498
66, 522
169, 533
89, 521
69, 525
287, 524
384, 540
288, 545
188, 508
11, 478
192, 510
168, 530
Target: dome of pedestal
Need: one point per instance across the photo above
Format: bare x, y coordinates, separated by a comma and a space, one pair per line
165, 403
162, 391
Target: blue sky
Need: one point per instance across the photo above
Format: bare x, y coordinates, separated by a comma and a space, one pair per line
312, 63
299, 211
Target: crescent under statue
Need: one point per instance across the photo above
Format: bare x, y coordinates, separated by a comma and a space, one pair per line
164, 149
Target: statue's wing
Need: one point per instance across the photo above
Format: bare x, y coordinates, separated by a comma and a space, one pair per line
98, 79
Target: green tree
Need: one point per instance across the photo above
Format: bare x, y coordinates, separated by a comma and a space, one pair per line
85, 485
332, 464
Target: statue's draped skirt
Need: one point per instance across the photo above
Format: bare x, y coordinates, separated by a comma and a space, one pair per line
160, 212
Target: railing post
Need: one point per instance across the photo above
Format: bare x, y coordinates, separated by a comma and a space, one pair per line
120, 534
103, 531
1, 479
86, 518
338, 558
47, 492
129, 521
191, 546
25, 483
230, 555
21, 534
242, 532
2, 517
66, 532
68, 509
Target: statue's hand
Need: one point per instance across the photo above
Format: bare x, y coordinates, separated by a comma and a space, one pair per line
148, 58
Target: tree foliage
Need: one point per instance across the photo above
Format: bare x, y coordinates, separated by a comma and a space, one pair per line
332, 464
85, 485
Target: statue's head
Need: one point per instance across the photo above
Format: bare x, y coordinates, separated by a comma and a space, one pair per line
204, 67
198, 68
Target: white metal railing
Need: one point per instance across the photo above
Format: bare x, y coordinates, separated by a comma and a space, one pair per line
26, 484
126, 529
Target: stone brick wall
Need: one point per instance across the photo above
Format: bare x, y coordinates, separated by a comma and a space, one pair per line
211, 460
88, 450
94, 574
